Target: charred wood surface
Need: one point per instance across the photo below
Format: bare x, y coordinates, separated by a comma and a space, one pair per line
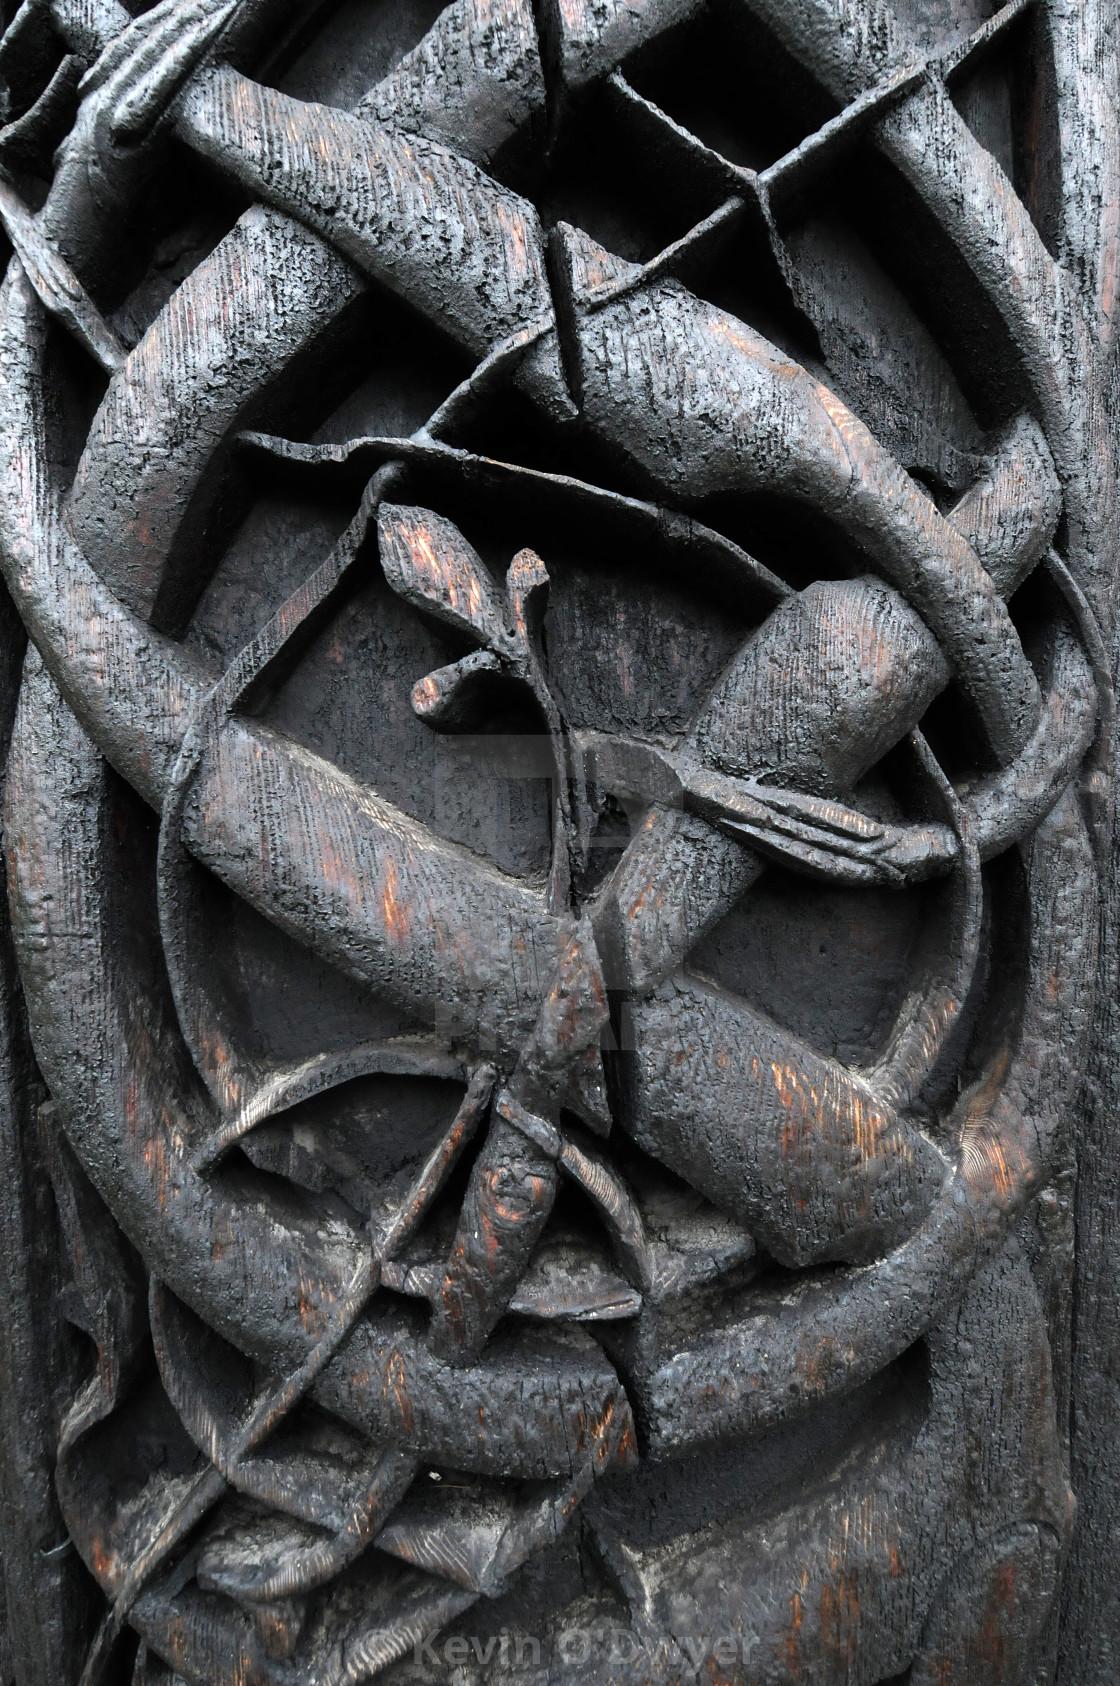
558, 978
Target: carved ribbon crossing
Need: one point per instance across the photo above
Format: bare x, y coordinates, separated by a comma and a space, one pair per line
311, 1368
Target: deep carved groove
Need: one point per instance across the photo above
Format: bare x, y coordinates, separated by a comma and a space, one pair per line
555, 821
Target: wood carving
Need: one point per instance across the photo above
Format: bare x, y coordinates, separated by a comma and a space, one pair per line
554, 823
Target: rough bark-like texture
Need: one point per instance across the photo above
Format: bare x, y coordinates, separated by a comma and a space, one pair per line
559, 977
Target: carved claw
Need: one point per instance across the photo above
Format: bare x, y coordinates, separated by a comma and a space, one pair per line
835, 866
892, 857
140, 73
811, 834
125, 95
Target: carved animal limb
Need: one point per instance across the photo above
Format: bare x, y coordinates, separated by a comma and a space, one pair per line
118, 1065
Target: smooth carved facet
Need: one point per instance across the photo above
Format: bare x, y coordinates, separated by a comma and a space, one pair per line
559, 571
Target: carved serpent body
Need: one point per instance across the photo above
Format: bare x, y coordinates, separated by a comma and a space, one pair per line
819, 1162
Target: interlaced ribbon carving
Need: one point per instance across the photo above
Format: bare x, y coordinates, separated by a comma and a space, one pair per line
311, 1369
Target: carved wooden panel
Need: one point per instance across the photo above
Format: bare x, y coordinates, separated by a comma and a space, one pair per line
558, 797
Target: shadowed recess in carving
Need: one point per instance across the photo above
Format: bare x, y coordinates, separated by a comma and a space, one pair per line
553, 822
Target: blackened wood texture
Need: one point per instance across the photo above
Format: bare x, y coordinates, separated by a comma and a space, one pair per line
557, 827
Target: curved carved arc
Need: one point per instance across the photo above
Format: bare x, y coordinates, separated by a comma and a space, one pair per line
307, 1559
833, 1172
128, 1575
756, 419
213, 1388
259, 302
348, 1640
363, 185
139, 1045
240, 778
409, 1375
250, 309
831, 1334
475, 78
946, 963
69, 614
681, 877
831, 681
1006, 806
1000, 809
479, 1548
248, 1090
345, 871
245, 779
266, 1275
851, 48
842, 1579
108, 1284
1010, 512
476, 1546
687, 541
283, 1087
1096, 783
419, 883
242, 783
1008, 516
980, 179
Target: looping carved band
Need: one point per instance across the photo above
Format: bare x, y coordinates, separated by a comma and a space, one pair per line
762, 1226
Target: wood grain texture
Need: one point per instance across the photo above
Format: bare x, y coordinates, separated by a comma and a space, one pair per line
561, 967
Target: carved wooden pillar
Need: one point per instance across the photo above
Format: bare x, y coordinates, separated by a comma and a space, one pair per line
558, 980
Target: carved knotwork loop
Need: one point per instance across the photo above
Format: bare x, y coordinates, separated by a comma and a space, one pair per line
902, 1184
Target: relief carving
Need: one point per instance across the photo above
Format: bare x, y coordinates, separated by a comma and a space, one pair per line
555, 821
